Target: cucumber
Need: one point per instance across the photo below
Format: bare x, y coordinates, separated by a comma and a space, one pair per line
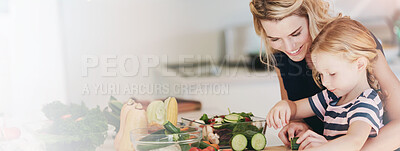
293, 144
238, 142
205, 145
171, 128
229, 121
256, 140
233, 117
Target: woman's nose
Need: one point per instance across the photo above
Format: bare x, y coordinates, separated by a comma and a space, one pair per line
289, 45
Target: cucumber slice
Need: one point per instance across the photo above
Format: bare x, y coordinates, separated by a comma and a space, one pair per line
233, 117
238, 142
229, 121
293, 144
256, 140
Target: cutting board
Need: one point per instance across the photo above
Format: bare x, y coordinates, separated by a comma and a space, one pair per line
184, 105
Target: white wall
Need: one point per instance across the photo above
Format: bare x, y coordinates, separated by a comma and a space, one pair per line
33, 71
131, 27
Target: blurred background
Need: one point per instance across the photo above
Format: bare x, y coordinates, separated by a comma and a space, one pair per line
89, 50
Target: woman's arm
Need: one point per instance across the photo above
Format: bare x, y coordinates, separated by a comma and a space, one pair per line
389, 134
356, 136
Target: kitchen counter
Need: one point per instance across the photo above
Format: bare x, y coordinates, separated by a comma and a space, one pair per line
273, 142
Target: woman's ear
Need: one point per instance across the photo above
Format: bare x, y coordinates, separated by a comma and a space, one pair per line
362, 63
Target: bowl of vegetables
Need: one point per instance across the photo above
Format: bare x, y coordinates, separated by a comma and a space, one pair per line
238, 131
168, 138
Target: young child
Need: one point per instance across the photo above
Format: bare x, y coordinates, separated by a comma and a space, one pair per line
350, 107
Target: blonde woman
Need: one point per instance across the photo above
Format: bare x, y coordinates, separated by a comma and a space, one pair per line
350, 107
287, 28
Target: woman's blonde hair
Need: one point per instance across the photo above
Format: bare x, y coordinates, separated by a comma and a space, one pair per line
350, 39
316, 11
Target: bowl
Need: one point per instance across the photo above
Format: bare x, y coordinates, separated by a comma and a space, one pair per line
144, 139
224, 132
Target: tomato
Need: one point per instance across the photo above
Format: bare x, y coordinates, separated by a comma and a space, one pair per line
194, 149
209, 148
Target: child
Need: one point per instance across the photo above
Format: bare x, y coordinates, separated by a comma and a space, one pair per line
351, 109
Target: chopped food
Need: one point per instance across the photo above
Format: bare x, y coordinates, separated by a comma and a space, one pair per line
293, 144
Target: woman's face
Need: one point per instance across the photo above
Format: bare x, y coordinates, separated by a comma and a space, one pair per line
289, 35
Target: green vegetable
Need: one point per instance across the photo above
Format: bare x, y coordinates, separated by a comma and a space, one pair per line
115, 106
74, 127
256, 140
185, 147
112, 119
171, 128
293, 144
205, 145
238, 142
242, 127
204, 118
155, 136
243, 114
233, 117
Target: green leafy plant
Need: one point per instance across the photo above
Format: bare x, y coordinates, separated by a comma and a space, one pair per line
74, 127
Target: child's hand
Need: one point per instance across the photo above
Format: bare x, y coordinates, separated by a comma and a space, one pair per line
310, 139
279, 115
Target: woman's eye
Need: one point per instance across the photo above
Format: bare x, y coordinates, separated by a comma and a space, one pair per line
297, 34
332, 74
274, 39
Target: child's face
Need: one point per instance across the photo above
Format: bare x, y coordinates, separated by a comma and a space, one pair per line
337, 74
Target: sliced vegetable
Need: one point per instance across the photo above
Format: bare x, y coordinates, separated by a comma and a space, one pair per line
293, 144
238, 142
256, 140
233, 117
156, 113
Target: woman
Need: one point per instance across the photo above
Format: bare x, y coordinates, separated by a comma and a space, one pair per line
288, 27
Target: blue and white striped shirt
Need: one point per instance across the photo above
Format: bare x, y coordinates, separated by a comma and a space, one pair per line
366, 107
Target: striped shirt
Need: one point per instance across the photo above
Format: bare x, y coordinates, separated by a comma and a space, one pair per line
366, 107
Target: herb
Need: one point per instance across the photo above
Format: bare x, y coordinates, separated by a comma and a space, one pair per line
74, 127
242, 127
205, 118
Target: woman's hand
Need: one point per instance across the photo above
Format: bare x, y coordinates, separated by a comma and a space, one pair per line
291, 130
279, 115
310, 139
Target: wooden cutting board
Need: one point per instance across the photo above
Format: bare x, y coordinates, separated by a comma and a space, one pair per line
184, 105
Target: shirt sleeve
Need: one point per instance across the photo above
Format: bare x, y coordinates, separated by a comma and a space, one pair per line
368, 111
318, 103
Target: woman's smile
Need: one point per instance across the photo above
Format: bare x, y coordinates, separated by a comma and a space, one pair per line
295, 52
